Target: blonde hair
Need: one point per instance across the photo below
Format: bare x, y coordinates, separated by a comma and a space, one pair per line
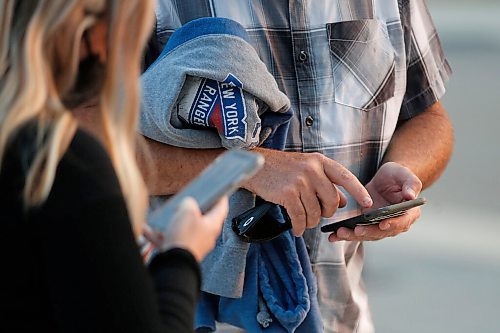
39, 58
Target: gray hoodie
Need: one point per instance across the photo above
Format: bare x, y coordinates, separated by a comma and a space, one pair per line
209, 89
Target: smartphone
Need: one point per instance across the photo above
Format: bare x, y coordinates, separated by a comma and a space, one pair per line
220, 178
375, 216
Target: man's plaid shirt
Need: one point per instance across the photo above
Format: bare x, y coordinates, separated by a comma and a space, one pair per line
353, 71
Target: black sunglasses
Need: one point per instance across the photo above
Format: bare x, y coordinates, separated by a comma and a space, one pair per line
261, 223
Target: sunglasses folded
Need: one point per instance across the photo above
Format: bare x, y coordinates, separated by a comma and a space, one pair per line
261, 223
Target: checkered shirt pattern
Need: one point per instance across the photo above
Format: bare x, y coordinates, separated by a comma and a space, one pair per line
353, 70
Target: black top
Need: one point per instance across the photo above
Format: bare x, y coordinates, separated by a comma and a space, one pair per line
72, 265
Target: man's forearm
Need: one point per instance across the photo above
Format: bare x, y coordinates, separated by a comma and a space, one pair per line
166, 169
423, 144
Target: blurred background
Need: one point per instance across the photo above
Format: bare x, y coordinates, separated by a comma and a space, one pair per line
444, 275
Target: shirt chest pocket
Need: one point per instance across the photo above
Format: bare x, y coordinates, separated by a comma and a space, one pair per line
363, 63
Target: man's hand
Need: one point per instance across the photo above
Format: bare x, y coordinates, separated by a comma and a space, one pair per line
306, 185
393, 183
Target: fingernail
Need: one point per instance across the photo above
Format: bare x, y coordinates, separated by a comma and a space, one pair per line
367, 202
345, 235
186, 202
360, 231
384, 226
332, 238
411, 192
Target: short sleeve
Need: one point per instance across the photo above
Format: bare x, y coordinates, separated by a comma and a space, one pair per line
427, 68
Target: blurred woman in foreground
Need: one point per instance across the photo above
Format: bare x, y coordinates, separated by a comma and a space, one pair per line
72, 203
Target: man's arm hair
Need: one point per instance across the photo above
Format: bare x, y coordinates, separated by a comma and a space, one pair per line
424, 144
166, 169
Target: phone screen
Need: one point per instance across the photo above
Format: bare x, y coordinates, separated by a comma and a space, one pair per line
375, 216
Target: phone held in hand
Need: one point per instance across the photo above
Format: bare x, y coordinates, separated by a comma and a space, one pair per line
220, 178
375, 216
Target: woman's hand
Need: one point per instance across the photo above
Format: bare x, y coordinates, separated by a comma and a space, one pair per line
191, 230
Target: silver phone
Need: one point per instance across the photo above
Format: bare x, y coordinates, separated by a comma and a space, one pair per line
220, 178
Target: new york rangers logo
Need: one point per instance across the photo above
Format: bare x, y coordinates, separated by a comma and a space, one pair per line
221, 105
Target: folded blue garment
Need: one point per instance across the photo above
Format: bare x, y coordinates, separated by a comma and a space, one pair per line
234, 103
279, 273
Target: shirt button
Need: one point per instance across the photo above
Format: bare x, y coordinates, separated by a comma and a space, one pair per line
303, 56
309, 121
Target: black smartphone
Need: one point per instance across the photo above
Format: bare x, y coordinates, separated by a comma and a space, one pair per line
220, 178
375, 216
